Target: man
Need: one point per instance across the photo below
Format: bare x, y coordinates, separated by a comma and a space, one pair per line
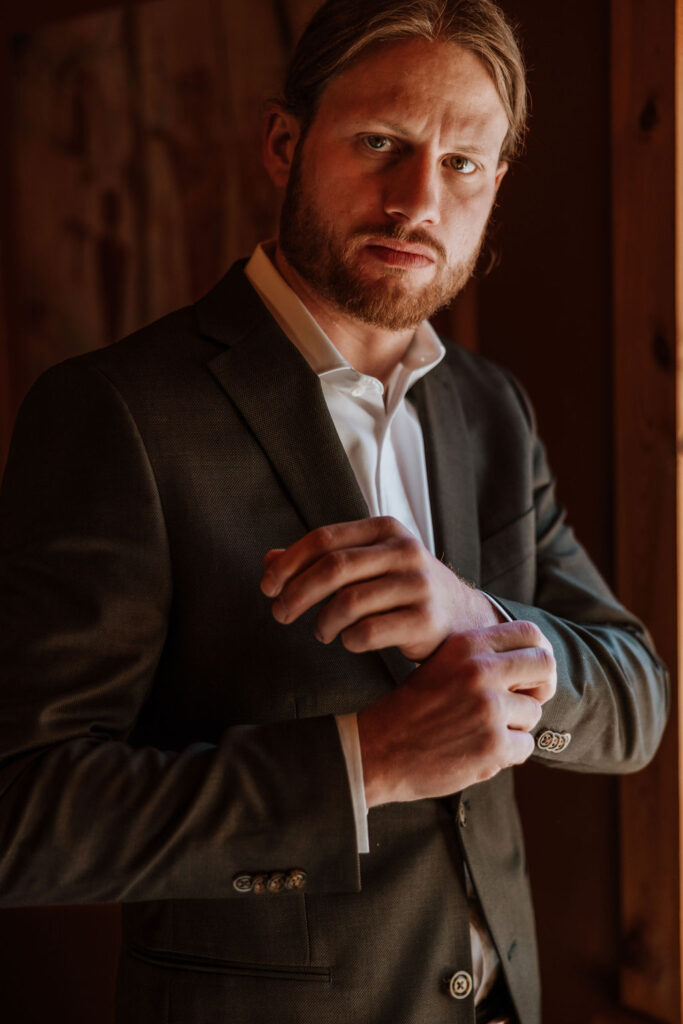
275, 630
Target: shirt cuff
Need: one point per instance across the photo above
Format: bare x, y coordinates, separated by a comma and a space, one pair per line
350, 744
506, 615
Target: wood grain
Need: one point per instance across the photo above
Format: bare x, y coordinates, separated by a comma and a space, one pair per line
644, 245
135, 164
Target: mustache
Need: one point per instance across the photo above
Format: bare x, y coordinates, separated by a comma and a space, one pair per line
400, 234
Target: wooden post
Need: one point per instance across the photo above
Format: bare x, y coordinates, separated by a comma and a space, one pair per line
645, 242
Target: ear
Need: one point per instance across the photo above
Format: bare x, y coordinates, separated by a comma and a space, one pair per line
501, 172
281, 131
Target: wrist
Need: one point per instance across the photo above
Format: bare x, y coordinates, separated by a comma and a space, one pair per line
374, 760
493, 612
481, 611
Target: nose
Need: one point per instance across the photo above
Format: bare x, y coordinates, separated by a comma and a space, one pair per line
412, 191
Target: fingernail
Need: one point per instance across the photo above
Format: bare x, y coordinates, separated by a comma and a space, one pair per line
318, 635
280, 610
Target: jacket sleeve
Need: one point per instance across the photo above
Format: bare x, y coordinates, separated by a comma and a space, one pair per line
85, 592
612, 694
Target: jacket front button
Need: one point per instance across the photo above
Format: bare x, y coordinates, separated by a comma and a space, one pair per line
460, 985
462, 814
243, 883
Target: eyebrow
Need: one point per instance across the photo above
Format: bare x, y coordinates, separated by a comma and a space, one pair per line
398, 129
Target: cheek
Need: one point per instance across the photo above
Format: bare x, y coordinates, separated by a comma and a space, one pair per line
337, 193
468, 212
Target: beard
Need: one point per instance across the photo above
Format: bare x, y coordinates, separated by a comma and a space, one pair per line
329, 264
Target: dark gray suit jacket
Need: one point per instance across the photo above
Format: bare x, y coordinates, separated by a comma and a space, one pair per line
160, 733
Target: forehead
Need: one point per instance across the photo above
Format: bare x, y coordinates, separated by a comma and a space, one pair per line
428, 86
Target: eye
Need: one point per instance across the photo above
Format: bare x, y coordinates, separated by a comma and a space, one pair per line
462, 164
378, 143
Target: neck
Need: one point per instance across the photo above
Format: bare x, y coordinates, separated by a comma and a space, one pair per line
369, 349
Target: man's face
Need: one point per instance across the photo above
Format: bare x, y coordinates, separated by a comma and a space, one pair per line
390, 191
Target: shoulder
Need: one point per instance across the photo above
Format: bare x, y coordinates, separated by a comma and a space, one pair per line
167, 354
486, 389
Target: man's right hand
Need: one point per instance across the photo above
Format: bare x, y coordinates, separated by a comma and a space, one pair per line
461, 717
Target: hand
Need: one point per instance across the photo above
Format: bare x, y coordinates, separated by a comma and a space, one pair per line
385, 588
461, 717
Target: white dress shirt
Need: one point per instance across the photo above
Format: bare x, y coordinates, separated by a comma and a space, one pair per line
382, 437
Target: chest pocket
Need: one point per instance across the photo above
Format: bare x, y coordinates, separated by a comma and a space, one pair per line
508, 559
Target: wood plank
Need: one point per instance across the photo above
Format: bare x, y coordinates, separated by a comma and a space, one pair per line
643, 140
135, 165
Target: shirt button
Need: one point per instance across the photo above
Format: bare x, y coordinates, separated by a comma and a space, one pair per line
460, 985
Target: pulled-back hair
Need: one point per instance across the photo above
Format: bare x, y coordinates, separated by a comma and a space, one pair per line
341, 30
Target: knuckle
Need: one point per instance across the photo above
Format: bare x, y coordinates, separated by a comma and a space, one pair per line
332, 564
468, 676
420, 583
360, 637
486, 705
531, 633
547, 659
491, 740
482, 666
323, 538
348, 599
406, 544
469, 641
422, 616
391, 526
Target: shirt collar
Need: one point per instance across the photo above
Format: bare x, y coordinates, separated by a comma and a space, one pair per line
422, 355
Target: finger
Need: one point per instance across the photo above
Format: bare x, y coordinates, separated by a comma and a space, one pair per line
374, 633
524, 670
521, 711
519, 746
271, 555
309, 549
329, 574
504, 636
362, 600
530, 671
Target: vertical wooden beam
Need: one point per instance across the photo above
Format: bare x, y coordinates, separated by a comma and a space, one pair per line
643, 142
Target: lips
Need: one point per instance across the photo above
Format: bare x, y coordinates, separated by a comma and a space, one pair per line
395, 254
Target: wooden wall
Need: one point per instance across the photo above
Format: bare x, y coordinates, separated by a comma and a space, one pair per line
545, 312
134, 165
135, 180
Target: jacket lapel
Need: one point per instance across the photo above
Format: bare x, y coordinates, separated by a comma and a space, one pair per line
281, 400
450, 471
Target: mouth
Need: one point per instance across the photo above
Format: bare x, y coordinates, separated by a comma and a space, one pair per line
400, 254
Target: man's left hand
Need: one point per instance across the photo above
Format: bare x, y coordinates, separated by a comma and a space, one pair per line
382, 586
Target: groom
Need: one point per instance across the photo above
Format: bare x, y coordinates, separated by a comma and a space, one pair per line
285, 589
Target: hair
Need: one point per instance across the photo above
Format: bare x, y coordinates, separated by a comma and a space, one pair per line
342, 30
